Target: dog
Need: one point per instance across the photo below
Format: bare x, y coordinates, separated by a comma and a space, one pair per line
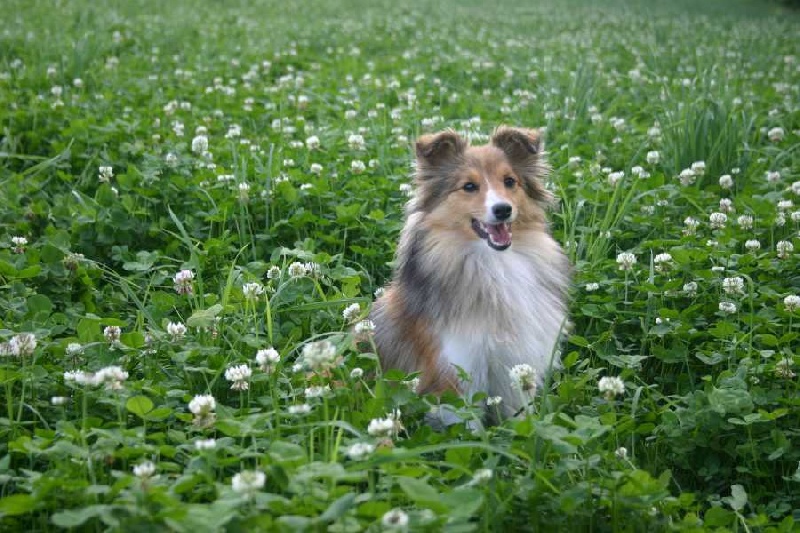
479, 285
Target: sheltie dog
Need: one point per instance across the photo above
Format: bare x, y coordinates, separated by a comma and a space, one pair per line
479, 284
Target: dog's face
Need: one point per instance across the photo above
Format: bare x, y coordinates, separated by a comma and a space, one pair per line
482, 192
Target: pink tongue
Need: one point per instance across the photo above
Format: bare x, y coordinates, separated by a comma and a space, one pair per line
499, 233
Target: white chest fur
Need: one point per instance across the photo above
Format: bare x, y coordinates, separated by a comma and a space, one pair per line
517, 320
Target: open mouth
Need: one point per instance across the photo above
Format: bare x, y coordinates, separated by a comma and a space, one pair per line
498, 236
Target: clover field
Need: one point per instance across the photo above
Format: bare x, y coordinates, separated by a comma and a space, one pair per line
198, 201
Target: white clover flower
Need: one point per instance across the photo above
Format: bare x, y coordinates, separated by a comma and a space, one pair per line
105, 174
59, 400
653, 157
775, 134
726, 205
317, 391
687, 177
524, 377
248, 482
691, 225
357, 373
244, 191
380, 291
312, 268
266, 358
745, 221
299, 409
395, 520
357, 166
183, 282
574, 161
752, 244
202, 407
784, 249
690, 289
621, 453
785, 205
792, 302
718, 220
615, 177
611, 386
316, 169
699, 167
359, 450
364, 327
726, 181
780, 219
386, 427
74, 349
19, 244
711, 243
773, 176
662, 261
274, 272
494, 400
352, 312
112, 333
795, 216
626, 260
171, 160
591, 287
356, 142
796, 188
319, 355
144, 470
727, 307
205, 444
297, 270
239, 375
350, 114
111, 376
733, 285
640, 172
176, 330
252, 290
312, 143
200, 144
407, 189
22, 345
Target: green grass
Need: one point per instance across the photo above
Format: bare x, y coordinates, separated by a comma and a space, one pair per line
705, 436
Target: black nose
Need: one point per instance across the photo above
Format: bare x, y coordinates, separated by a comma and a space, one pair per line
501, 211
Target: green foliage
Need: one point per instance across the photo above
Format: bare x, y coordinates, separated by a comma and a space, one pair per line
230, 131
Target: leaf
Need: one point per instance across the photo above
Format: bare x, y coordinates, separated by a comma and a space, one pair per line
204, 318
139, 405
738, 498
78, 517
418, 490
17, 504
338, 507
38, 303
733, 401
463, 503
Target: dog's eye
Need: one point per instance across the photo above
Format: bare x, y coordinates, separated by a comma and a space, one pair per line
509, 182
470, 187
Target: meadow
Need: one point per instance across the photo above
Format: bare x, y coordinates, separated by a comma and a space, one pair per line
201, 199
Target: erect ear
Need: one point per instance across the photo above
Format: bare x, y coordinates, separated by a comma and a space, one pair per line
525, 151
439, 148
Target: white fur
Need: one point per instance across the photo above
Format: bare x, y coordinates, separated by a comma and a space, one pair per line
522, 327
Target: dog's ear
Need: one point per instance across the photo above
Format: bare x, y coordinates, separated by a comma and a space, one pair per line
519, 144
439, 148
525, 151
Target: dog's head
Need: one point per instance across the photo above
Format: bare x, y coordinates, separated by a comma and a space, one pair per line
482, 192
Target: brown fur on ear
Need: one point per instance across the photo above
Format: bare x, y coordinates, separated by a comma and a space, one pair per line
438, 148
525, 150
